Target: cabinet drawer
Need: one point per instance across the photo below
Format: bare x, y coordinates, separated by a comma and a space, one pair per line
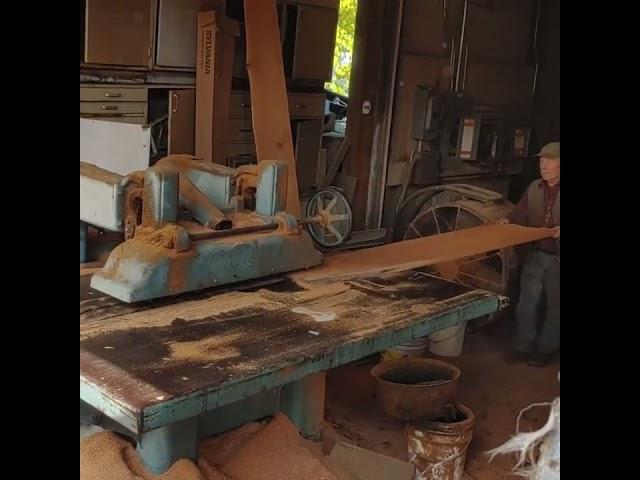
306, 106
138, 119
240, 105
300, 105
113, 107
236, 154
239, 130
239, 150
105, 94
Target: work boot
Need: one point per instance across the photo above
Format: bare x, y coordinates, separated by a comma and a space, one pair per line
540, 359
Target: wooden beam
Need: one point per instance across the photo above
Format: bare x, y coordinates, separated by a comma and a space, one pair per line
269, 102
420, 252
371, 77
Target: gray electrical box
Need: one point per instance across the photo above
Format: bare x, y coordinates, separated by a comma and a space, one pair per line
424, 127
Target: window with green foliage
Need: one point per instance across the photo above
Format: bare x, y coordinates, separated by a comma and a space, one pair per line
343, 53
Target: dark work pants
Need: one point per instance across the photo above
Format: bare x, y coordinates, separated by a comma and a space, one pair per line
540, 277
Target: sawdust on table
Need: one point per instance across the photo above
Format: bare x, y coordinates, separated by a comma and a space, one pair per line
421, 308
198, 309
197, 350
164, 315
271, 451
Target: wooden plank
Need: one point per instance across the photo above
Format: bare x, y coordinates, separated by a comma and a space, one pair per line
269, 103
421, 252
175, 361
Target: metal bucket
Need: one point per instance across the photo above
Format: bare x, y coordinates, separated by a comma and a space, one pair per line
414, 389
438, 448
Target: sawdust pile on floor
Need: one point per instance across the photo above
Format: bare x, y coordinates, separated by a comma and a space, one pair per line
255, 451
106, 456
217, 450
276, 452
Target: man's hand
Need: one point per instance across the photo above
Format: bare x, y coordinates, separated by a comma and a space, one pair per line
502, 221
556, 235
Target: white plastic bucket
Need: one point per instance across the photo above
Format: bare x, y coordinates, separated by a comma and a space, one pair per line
448, 342
410, 349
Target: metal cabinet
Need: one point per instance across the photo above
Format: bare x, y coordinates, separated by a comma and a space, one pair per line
119, 32
307, 32
177, 33
306, 113
495, 51
118, 104
502, 31
314, 42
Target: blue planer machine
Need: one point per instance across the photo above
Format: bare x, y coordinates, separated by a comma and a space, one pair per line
190, 224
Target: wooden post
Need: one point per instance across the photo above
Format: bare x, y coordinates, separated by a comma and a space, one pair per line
269, 102
216, 43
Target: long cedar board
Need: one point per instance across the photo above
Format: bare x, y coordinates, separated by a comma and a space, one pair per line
269, 101
137, 355
421, 252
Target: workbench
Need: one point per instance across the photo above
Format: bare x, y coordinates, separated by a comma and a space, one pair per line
172, 371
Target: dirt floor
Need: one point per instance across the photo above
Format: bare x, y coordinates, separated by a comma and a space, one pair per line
493, 384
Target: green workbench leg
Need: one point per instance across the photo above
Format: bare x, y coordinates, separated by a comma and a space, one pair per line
303, 402
236, 414
161, 448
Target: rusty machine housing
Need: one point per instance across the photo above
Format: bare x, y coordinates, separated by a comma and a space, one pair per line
190, 224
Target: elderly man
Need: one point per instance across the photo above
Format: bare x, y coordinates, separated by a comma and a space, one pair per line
540, 207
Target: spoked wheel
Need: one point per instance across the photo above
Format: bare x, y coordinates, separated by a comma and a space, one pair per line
489, 271
485, 271
334, 218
